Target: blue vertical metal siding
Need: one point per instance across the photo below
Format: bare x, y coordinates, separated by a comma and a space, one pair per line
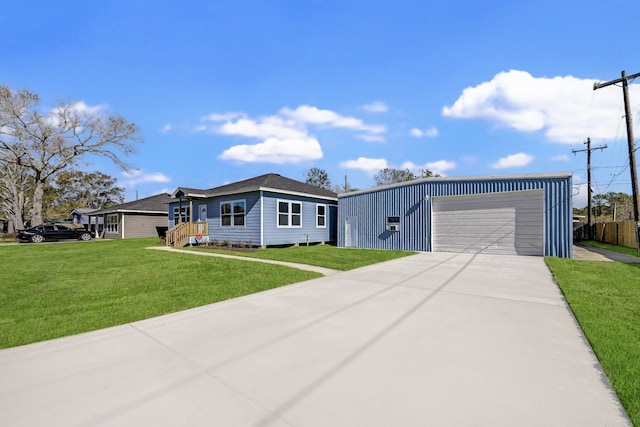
412, 203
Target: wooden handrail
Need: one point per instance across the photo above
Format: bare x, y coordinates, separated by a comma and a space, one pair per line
178, 235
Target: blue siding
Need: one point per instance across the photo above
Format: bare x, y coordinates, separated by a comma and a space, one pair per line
272, 235
309, 232
249, 233
412, 203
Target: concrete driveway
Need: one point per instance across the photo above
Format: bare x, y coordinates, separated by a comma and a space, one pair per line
433, 339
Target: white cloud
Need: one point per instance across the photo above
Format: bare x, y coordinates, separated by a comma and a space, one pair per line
566, 108
560, 158
376, 107
314, 115
166, 128
513, 161
137, 176
224, 117
432, 132
368, 165
371, 138
269, 127
285, 137
440, 167
579, 196
275, 150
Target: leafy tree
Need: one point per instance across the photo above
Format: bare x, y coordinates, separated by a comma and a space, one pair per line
45, 144
318, 178
76, 189
388, 176
613, 204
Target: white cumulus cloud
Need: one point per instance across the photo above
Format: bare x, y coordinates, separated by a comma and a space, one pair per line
560, 158
137, 176
368, 165
284, 137
376, 107
565, 108
432, 132
513, 161
440, 167
275, 150
314, 115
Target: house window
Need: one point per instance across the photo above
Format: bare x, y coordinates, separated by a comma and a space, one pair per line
321, 216
289, 214
181, 215
112, 223
232, 213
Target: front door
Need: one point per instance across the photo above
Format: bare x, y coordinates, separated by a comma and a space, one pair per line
202, 213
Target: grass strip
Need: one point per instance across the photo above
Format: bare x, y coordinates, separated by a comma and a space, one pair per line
605, 298
614, 248
327, 256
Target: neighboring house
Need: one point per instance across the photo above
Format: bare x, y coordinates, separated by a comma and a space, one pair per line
133, 219
80, 216
517, 214
267, 210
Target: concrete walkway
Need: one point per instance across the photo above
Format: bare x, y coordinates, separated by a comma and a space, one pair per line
432, 339
321, 270
590, 253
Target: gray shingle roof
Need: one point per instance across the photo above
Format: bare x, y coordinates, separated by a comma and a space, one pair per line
157, 203
263, 182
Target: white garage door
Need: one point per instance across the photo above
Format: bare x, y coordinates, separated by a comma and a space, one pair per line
498, 223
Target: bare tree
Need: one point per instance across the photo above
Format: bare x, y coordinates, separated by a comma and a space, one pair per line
15, 185
47, 143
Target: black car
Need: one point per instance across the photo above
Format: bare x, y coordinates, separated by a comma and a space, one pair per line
44, 232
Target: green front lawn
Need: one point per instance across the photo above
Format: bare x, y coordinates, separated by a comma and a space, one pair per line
54, 290
327, 256
605, 298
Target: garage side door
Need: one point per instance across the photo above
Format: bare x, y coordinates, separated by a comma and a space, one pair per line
498, 223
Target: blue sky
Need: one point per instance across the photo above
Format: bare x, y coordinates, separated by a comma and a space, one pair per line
227, 90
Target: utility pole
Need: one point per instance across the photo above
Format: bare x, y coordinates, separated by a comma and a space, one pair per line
589, 150
632, 151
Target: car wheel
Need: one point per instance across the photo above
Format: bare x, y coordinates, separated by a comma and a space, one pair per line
36, 238
86, 237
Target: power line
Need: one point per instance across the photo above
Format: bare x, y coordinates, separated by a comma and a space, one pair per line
624, 79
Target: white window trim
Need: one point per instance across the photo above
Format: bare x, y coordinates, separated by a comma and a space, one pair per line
185, 215
289, 213
318, 215
231, 202
112, 227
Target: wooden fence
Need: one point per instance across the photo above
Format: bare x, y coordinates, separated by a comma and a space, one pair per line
617, 233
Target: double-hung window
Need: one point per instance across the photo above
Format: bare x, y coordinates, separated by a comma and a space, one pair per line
112, 223
289, 214
321, 216
181, 215
232, 213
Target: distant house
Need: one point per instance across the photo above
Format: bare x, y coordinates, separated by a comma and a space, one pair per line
80, 216
267, 210
133, 219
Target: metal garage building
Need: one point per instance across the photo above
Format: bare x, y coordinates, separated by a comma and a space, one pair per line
515, 214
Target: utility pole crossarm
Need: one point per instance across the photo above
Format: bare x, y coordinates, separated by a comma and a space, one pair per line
599, 85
